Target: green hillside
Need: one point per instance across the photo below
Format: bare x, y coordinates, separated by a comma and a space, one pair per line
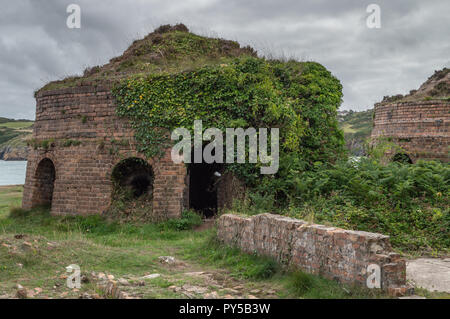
13, 136
357, 127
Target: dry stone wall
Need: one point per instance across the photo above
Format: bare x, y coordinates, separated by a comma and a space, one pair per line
331, 252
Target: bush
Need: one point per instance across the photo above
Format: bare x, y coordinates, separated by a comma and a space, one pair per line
301, 282
409, 202
189, 219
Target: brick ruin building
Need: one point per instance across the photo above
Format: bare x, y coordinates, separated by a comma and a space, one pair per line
418, 123
79, 142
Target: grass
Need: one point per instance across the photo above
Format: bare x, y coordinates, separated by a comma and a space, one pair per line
10, 196
17, 125
132, 251
14, 133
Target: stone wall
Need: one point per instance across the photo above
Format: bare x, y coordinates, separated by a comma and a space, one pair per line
78, 131
331, 252
422, 128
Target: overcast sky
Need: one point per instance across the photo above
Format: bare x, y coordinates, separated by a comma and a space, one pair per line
36, 46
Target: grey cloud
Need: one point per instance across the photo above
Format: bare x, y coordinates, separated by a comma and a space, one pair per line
36, 46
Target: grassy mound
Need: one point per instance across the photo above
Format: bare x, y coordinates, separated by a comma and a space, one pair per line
169, 49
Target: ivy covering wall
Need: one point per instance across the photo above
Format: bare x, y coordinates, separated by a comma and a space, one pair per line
299, 98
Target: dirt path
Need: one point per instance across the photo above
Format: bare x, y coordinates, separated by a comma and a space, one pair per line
432, 274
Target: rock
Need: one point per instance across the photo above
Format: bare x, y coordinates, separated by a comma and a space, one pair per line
20, 266
238, 288
211, 295
110, 277
152, 276
231, 291
195, 289
123, 282
101, 275
197, 273
255, 291
167, 259
14, 153
173, 288
251, 297
189, 295
21, 293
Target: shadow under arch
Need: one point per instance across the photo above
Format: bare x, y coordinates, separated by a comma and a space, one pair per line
402, 158
133, 175
44, 183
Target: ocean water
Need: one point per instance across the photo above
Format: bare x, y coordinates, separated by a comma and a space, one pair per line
12, 172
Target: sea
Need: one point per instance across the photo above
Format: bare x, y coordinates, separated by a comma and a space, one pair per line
12, 172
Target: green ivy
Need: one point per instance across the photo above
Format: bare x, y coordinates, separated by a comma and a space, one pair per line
301, 99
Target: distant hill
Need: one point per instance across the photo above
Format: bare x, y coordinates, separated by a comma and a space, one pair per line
13, 136
436, 87
357, 127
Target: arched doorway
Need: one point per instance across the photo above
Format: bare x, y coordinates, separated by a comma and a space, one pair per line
204, 180
402, 158
44, 183
133, 176
132, 192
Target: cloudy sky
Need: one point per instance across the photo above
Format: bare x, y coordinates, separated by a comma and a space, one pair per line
36, 46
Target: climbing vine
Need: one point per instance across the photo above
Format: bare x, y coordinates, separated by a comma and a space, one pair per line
301, 99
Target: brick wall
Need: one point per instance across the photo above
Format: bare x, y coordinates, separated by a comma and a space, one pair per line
82, 182
422, 129
331, 252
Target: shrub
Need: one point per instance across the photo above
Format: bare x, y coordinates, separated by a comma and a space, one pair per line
409, 202
189, 219
301, 282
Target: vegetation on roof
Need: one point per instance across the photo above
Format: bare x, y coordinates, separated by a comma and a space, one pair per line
169, 49
436, 87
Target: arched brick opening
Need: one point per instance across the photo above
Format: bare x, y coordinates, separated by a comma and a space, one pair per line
44, 183
204, 182
133, 176
402, 158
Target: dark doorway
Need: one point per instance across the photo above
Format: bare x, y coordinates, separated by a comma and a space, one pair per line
133, 175
44, 183
203, 183
402, 158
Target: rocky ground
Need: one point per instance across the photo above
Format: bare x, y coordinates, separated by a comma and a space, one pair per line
170, 278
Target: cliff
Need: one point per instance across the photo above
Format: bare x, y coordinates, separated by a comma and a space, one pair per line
13, 139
